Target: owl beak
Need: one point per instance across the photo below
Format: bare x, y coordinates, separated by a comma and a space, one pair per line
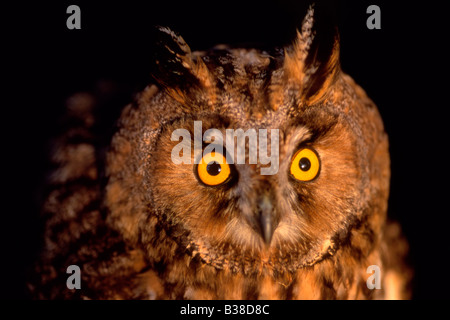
266, 218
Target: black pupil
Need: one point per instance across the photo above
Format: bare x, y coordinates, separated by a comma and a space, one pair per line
304, 164
213, 168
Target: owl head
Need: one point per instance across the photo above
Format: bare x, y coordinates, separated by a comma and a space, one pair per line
332, 161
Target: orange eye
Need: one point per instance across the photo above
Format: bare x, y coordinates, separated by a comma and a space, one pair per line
213, 169
305, 165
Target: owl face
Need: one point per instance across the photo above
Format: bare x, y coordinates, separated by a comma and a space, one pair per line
231, 213
332, 158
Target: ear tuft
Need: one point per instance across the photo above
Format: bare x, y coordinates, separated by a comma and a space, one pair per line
172, 58
175, 68
312, 62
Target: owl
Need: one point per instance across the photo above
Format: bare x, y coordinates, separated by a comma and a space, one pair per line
140, 225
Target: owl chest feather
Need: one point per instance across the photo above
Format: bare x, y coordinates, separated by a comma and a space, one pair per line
190, 279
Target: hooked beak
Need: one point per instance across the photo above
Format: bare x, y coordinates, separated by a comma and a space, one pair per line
266, 218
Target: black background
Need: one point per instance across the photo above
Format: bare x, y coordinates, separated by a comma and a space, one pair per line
402, 67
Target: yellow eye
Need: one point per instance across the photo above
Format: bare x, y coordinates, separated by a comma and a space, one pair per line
213, 169
305, 165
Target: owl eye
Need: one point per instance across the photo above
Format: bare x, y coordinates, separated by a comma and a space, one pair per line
305, 165
213, 170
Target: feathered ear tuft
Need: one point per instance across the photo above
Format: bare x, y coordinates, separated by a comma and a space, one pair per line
312, 61
175, 68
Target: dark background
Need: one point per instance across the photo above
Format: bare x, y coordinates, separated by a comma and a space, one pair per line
401, 66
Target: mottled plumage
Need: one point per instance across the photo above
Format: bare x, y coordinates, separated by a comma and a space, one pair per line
140, 226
